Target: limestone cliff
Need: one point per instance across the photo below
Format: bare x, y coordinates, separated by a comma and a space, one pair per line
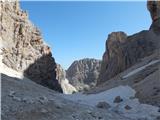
23, 48
123, 51
83, 74
67, 88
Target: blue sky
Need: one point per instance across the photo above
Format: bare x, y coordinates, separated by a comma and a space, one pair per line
77, 30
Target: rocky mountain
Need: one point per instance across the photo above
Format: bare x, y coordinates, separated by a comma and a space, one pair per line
24, 99
143, 77
128, 88
124, 51
83, 74
134, 60
23, 48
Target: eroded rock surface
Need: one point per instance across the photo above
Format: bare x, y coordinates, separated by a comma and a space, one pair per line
83, 74
123, 51
23, 47
67, 88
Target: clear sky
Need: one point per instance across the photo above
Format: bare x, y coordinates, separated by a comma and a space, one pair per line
77, 30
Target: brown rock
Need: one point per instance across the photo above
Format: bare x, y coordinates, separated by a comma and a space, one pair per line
60, 73
67, 88
103, 105
127, 107
83, 74
23, 48
123, 51
118, 99
154, 8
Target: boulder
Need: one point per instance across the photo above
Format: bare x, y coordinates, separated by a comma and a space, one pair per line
103, 105
118, 99
127, 107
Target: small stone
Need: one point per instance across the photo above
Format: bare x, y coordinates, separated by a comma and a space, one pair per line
28, 101
132, 97
118, 99
100, 118
127, 107
17, 98
58, 106
89, 111
158, 118
24, 100
158, 90
43, 110
155, 93
154, 88
73, 116
103, 105
42, 99
12, 93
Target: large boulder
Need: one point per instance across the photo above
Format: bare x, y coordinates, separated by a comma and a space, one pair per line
23, 48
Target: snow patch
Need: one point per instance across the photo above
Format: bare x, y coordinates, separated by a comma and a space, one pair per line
140, 69
137, 111
10, 72
125, 92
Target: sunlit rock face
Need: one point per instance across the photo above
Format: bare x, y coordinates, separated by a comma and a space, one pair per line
154, 9
123, 51
23, 47
83, 74
67, 88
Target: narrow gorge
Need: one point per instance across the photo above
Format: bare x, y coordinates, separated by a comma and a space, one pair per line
124, 85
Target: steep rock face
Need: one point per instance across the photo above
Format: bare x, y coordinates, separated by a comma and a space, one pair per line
67, 88
154, 9
23, 48
60, 72
123, 51
83, 74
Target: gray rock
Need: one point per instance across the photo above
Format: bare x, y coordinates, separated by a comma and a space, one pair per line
158, 118
23, 48
83, 74
154, 8
42, 99
43, 110
67, 88
28, 100
12, 93
124, 51
103, 105
17, 98
118, 99
127, 107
